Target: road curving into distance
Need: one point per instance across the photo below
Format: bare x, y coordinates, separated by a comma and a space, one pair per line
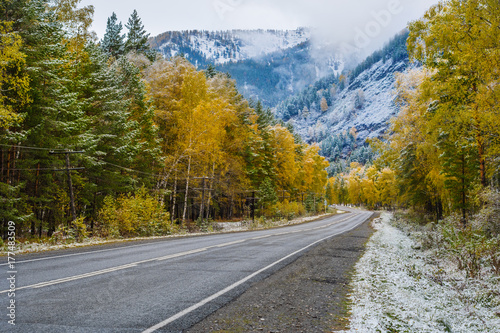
162, 286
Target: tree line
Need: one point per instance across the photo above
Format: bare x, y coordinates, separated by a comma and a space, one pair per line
442, 154
140, 135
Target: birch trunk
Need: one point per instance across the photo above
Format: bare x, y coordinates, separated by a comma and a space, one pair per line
210, 191
174, 200
187, 191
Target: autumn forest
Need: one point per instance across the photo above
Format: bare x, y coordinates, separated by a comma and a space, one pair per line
151, 143
108, 138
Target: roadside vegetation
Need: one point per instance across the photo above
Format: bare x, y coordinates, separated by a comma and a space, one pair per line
108, 139
435, 267
78, 236
408, 284
440, 162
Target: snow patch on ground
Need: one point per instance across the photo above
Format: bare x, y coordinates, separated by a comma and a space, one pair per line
397, 288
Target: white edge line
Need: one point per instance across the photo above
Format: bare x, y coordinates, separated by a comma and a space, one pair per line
236, 284
76, 254
73, 278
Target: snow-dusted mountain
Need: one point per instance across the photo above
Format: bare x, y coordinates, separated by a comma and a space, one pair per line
302, 80
221, 47
276, 76
367, 104
341, 113
268, 65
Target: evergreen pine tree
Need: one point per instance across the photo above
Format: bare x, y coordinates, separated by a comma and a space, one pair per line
9, 198
53, 119
112, 132
210, 72
267, 193
141, 112
112, 43
137, 39
459, 162
259, 154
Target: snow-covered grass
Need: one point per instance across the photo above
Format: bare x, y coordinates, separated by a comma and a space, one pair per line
266, 224
398, 287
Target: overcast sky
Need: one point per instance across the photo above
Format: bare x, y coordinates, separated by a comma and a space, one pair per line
352, 21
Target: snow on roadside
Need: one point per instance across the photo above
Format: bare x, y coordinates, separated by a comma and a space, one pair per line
399, 289
27, 247
246, 225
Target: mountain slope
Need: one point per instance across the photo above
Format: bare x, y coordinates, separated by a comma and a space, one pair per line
268, 65
274, 77
302, 81
355, 107
221, 47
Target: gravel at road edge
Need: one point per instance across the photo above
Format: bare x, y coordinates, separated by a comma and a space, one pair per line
309, 295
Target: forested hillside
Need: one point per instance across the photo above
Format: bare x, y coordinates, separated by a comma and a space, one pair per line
107, 138
341, 112
330, 86
274, 77
440, 159
202, 48
442, 148
268, 65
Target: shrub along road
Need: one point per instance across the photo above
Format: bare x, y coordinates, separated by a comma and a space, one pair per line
166, 286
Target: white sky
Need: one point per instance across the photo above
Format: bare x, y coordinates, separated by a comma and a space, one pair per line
337, 19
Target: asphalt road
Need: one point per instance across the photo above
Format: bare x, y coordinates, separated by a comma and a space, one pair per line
163, 286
